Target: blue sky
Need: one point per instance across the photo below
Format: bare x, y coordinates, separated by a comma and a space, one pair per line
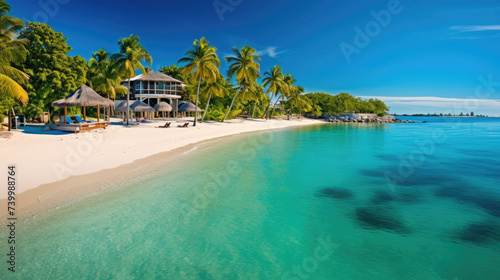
419, 56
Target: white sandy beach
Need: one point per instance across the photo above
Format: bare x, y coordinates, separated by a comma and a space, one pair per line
43, 158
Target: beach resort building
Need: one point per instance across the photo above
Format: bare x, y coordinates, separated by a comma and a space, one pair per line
155, 88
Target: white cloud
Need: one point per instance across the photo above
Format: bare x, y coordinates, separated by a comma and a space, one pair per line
271, 51
473, 28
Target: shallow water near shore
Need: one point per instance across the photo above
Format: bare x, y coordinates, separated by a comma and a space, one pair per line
334, 201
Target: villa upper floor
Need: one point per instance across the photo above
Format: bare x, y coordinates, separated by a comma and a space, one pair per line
154, 84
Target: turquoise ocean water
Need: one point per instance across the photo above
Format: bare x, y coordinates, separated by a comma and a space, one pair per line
333, 201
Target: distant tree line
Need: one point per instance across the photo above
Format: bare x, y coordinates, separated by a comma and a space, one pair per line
471, 114
323, 103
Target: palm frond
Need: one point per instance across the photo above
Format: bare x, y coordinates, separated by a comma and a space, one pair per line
10, 87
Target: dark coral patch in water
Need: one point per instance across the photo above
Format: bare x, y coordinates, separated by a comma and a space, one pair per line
469, 194
408, 177
381, 197
388, 157
479, 153
400, 157
410, 198
338, 193
381, 219
372, 173
480, 233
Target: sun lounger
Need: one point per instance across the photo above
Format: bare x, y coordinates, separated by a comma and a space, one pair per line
79, 120
184, 125
167, 125
68, 119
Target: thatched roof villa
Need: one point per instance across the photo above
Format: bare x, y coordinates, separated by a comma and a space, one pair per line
155, 88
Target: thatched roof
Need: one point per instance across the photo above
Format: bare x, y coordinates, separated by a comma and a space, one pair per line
123, 106
59, 103
139, 106
163, 107
154, 77
84, 96
188, 107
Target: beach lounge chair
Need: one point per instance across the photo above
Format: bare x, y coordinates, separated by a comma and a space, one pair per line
167, 125
79, 119
68, 119
184, 125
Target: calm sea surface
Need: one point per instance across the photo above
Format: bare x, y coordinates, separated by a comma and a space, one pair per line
334, 201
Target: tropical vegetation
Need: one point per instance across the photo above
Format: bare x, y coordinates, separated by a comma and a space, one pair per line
130, 59
36, 68
203, 62
13, 53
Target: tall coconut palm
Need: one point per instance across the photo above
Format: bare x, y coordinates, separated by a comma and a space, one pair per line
245, 68
274, 83
103, 76
128, 60
10, 27
99, 60
99, 57
107, 81
214, 89
260, 97
287, 88
298, 102
203, 62
13, 51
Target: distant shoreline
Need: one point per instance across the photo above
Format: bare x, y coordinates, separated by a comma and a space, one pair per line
445, 116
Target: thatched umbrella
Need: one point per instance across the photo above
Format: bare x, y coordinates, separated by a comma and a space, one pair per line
139, 106
188, 107
83, 97
122, 107
163, 107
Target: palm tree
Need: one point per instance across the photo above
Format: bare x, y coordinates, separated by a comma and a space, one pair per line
260, 96
274, 83
298, 102
99, 57
128, 60
107, 81
13, 51
203, 62
286, 90
215, 89
103, 76
244, 68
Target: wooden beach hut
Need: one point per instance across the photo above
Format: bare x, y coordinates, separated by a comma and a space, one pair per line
82, 97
